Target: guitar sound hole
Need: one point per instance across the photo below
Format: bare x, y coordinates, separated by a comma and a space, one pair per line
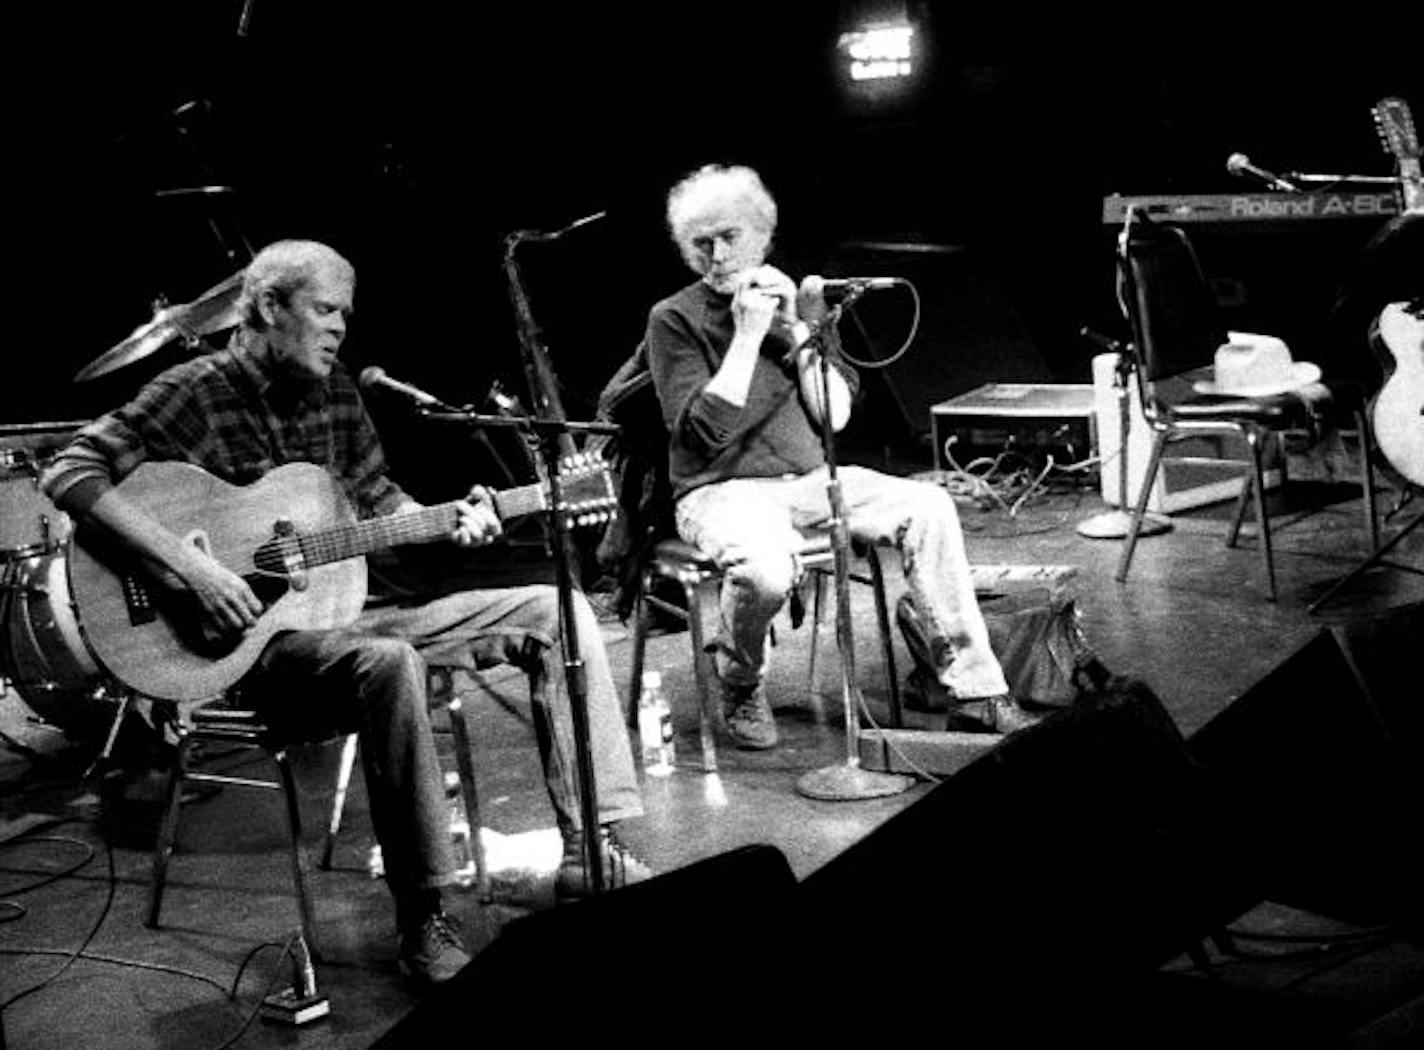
269, 589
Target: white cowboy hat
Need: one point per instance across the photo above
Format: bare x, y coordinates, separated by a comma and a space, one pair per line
1252, 365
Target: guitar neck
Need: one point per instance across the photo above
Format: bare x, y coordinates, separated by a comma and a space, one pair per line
1411, 184
418, 526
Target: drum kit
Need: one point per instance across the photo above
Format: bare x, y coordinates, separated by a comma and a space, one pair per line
44, 660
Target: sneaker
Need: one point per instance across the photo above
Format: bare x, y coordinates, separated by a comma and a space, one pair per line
746, 712
431, 951
620, 866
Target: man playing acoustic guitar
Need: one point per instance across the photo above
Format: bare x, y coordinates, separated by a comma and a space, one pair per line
254, 415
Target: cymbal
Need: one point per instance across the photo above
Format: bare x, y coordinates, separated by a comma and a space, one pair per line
213, 311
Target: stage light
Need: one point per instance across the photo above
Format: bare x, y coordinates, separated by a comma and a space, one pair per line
879, 52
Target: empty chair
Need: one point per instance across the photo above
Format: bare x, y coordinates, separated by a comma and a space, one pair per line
1175, 333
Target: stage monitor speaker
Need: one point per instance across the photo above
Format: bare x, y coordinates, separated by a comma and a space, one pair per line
635, 960
970, 330
1324, 758
1079, 852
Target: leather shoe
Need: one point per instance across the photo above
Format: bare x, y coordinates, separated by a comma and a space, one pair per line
1007, 716
995, 714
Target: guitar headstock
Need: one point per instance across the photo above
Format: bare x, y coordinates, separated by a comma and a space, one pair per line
586, 495
1395, 125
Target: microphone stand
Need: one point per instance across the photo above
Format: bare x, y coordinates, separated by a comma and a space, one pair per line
1115, 524
846, 781
550, 433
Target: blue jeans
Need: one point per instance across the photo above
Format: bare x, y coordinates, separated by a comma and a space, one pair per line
753, 528
371, 677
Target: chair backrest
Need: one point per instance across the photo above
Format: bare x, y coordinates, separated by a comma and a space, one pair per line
639, 459
1165, 297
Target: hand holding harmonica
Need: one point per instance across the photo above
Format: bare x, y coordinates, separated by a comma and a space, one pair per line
770, 282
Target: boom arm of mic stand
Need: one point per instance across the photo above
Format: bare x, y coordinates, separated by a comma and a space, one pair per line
543, 426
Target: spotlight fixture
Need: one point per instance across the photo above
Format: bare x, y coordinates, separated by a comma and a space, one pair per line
879, 52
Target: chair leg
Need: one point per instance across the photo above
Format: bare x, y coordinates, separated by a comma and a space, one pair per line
1243, 500
294, 827
168, 831
338, 801
469, 788
1154, 463
818, 601
887, 642
1367, 474
691, 588
638, 648
1263, 521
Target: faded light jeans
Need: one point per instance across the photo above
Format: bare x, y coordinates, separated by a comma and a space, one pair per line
372, 677
753, 528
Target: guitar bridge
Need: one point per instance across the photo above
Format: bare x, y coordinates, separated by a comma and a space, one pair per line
138, 600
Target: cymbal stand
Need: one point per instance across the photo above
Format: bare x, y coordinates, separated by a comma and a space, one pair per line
848, 780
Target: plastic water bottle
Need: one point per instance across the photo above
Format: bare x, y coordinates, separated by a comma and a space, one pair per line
655, 727
460, 830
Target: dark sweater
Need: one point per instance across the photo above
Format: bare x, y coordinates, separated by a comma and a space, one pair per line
712, 439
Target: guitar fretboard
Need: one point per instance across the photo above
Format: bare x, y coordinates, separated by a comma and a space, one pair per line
340, 542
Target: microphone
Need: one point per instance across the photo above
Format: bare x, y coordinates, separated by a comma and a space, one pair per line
836, 288
375, 376
1240, 164
1364, 180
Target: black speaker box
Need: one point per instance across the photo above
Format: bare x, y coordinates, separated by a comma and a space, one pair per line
629, 963
1076, 855
970, 330
1324, 758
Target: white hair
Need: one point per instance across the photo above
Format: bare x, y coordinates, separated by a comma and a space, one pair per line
694, 193
284, 268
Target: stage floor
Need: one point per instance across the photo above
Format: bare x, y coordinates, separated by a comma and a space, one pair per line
1191, 622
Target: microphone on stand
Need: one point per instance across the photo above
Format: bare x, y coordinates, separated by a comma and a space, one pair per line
840, 287
1364, 180
834, 289
1240, 164
375, 376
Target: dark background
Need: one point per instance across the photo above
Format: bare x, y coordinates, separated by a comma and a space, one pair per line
415, 136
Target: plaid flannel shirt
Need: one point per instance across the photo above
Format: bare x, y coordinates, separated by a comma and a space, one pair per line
223, 413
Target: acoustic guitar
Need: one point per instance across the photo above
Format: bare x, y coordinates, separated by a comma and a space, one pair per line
1397, 414
292, 535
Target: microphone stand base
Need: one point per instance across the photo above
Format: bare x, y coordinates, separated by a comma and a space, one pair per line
291, 1007
846, 783
1116, 524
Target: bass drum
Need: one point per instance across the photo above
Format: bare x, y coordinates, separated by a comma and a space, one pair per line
29, 522
43, 653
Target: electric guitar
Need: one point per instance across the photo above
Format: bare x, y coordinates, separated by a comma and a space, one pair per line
1395, 125
1397, 414
292, 535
